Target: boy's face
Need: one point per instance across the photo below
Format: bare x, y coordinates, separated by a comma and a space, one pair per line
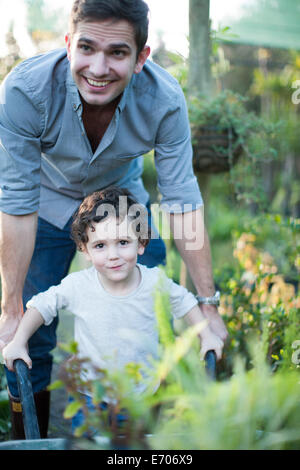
113, 249
103, 58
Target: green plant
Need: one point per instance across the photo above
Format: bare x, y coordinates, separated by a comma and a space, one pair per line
254, 408
4, 407
257, 296
249, 141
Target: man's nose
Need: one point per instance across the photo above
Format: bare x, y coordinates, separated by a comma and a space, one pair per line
99, 66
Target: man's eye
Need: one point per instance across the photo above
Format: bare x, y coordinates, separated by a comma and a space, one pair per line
84, 47
118, 53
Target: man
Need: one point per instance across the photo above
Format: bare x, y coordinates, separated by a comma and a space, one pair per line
79, 120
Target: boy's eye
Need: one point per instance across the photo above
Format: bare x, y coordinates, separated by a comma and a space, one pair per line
99, 246
124, 242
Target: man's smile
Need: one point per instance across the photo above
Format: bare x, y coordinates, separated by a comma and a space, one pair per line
98, 83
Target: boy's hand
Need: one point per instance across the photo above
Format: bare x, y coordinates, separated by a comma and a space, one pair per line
210, 341
14, 351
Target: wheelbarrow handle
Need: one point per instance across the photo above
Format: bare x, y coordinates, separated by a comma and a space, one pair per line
31, 427
211, 364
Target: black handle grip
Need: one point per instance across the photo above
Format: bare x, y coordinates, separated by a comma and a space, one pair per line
211, 364
31, 427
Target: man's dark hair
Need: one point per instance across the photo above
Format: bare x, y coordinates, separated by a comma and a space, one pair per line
133, 11
102, 204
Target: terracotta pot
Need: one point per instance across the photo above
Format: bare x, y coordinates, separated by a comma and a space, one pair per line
214, 150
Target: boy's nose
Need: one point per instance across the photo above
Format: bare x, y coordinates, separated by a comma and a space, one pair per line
112, 252
99, 66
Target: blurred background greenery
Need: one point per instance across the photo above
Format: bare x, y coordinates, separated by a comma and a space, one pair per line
252, 203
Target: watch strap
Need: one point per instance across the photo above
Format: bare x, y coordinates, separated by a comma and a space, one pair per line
214, 300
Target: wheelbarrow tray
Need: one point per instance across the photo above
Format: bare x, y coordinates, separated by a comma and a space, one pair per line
33, 439
31, 428
36, 444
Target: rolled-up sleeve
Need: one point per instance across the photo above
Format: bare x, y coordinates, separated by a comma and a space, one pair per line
21, 123
48, 303
174, 161
181, 300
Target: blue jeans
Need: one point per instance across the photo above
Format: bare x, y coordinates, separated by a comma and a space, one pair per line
51, 260
79, 418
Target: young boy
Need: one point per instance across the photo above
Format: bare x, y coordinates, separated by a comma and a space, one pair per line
112, 301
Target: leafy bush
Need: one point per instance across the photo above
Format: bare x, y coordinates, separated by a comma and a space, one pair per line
254, 408
4, 408
257, 297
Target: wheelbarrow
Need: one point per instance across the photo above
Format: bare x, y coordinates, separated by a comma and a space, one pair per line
211, 364
31, 428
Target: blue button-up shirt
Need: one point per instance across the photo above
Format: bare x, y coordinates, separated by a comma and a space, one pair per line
46, 161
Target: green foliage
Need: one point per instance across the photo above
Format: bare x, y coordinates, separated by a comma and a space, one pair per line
257, 298
4, 408
254, 136
254, 409
39, 18
255, 402
13, 57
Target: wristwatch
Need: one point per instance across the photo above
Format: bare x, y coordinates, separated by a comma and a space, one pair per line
214, 300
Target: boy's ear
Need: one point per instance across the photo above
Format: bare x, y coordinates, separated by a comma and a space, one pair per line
141, 249
86, 254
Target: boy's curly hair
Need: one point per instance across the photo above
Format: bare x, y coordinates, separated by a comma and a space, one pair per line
102, 204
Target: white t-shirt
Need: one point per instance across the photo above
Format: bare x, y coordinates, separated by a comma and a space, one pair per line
113, 330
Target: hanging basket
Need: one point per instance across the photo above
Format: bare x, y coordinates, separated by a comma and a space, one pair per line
214, 150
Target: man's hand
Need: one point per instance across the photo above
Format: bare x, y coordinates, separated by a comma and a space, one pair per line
8, 327
15, 259
216, 323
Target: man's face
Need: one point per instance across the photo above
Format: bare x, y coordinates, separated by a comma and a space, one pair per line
103, 58
113, 249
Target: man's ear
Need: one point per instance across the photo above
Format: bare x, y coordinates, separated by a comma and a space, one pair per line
68, 45
143, 56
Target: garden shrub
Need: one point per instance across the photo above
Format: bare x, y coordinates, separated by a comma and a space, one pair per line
256, 295
4, 408
255, 405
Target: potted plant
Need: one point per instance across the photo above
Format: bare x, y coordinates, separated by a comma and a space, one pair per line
222, 129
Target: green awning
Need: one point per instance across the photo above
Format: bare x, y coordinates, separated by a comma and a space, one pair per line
268, 23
